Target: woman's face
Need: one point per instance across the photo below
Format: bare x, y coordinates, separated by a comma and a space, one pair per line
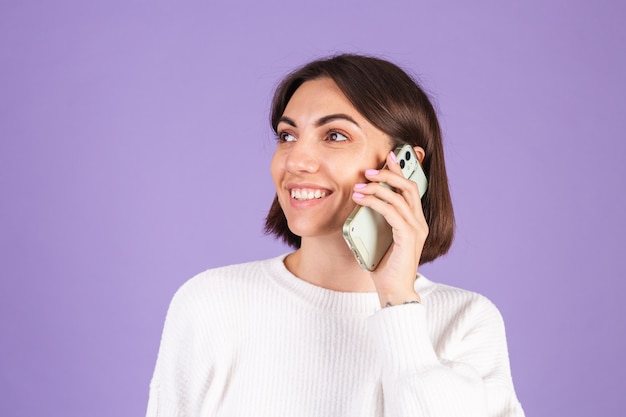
324, 147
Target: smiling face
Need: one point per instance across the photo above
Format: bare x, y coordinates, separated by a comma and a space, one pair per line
324, 147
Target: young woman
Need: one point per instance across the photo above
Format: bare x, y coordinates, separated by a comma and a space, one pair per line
310, 333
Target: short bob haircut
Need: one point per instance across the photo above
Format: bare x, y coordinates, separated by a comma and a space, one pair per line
393, 102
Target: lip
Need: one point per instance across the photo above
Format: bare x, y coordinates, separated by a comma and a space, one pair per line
310, 186
306, 203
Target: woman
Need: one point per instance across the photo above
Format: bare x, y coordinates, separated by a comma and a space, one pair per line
310, 333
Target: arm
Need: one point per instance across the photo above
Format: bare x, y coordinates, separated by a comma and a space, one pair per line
474, 381
182, 369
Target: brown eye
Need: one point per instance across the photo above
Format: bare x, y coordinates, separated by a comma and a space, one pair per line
336, 137
286, 137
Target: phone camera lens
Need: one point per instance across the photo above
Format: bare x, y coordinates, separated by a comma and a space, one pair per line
407, 156
402, 163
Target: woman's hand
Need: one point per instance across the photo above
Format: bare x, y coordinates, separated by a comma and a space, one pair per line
395, 275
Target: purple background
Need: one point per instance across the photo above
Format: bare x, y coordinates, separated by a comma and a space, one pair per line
134, 152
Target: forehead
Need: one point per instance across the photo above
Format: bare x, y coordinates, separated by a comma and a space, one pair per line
321, 96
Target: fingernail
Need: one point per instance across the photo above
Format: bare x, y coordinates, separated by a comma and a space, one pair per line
357, 186
371, 171
393, 157
358, 195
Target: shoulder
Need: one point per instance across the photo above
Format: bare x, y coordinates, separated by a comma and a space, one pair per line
226, 284
444, 292
462, 307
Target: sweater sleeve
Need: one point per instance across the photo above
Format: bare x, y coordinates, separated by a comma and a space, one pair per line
178, 386
474, 381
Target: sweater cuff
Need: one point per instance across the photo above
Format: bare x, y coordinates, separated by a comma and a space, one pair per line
400, 334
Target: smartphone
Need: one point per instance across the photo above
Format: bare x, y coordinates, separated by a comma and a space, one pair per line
366, 231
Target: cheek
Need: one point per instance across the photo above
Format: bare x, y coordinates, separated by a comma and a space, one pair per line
276, 168
352, 171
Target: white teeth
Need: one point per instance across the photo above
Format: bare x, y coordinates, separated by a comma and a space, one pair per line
306, 194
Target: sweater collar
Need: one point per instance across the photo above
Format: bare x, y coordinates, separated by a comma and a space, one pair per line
330, 301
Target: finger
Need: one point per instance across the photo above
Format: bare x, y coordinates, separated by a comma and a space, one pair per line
400, 185
393, 166
384, 193
408, 230
392, 206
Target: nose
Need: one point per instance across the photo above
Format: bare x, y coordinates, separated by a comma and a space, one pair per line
302, 157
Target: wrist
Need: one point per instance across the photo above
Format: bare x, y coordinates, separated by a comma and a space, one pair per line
390, 300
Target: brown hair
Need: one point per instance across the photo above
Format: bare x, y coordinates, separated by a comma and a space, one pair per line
393, 102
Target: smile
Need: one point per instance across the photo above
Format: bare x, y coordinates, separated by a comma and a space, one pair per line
303, 194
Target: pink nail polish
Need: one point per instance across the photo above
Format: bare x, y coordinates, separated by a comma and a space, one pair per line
371, 171
358, 195
357, 186
393, 157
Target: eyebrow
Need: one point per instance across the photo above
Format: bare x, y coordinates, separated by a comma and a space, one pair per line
322, 120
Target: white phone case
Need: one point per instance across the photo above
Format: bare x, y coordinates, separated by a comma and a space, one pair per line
366, 231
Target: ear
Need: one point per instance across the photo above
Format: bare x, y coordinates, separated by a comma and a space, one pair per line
419, 152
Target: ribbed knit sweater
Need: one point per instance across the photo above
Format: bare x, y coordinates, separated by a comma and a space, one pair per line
255, 340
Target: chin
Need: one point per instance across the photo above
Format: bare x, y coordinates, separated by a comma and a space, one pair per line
311, 230
316, 224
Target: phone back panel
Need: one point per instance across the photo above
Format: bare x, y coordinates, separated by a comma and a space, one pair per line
366, 232
369, 235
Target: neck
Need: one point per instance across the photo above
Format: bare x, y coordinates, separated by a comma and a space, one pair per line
327, 262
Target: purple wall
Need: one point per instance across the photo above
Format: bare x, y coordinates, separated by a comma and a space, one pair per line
134, 152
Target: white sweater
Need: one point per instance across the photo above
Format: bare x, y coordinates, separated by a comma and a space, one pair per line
254, 340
